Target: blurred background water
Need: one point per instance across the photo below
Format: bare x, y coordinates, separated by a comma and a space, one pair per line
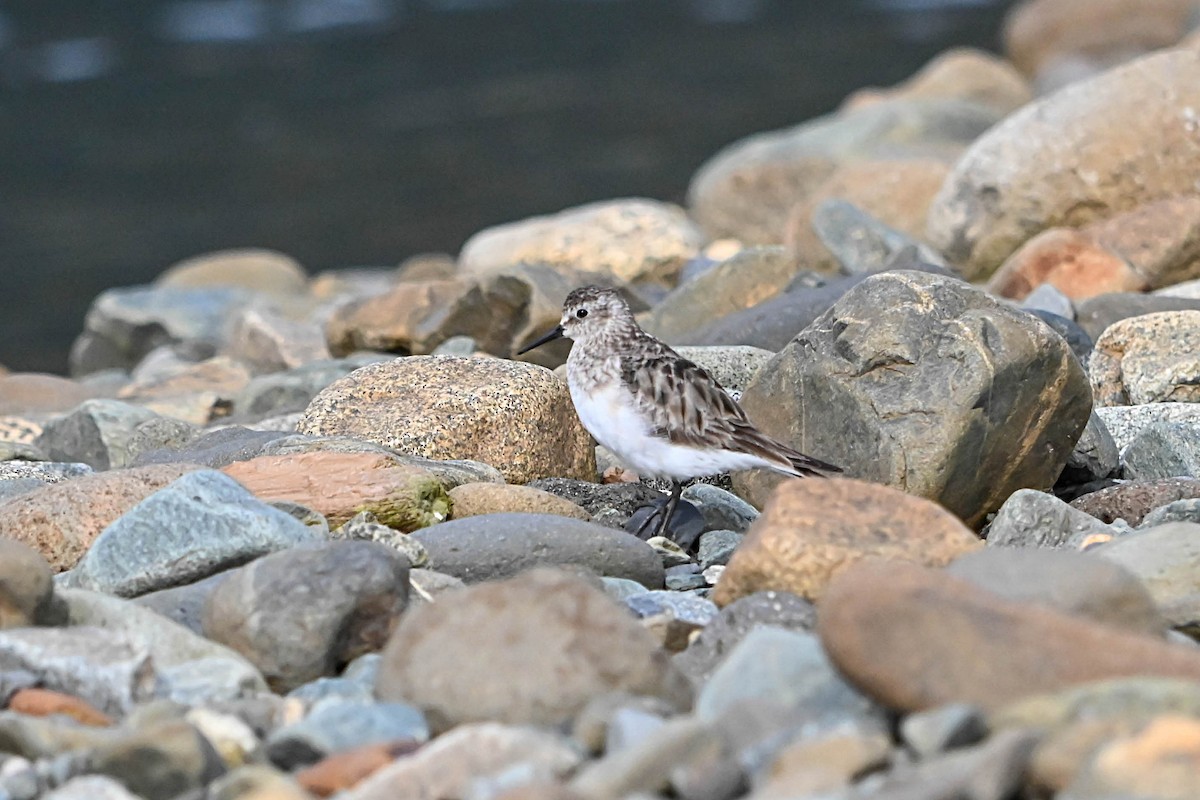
360, 132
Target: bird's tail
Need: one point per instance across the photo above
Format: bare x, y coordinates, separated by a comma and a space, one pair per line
782, 458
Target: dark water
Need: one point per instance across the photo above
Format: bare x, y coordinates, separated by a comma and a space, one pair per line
355, 132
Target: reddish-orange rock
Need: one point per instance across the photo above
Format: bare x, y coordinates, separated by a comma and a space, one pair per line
344, 770
340, 485
44, 702
33, 392
1072, 261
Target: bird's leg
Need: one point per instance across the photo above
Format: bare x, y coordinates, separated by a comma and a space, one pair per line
669, 510
666, 509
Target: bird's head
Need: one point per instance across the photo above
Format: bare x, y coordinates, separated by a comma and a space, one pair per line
588, 313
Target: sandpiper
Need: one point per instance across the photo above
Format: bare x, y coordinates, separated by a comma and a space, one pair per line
661, 414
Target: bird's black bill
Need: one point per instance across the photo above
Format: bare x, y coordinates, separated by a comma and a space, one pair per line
549, 337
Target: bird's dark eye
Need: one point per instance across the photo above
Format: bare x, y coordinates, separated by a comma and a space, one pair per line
581, 313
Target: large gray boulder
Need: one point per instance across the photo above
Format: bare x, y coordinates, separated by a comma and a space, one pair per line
921, 382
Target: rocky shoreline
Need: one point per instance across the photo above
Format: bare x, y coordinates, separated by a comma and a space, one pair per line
282, 537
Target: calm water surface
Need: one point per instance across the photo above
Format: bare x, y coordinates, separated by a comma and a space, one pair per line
359, 132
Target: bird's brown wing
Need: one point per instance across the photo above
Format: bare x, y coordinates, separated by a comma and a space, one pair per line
688, 406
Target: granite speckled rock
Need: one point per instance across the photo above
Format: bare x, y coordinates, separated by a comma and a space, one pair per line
1148, 359
516, 417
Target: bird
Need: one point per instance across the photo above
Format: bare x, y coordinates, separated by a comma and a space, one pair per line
658, 412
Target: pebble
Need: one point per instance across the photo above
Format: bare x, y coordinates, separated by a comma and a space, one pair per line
943, 728
199, 525
721, 510
1030, 518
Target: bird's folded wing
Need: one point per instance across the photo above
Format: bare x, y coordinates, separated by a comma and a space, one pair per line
685, 404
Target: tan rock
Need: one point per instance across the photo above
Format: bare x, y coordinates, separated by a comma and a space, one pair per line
404, 320
1071, 261
896, 191
533, 649
256, 269
427, 267
62, 520
516, 417
635, 240
267, 341
1061, 162
345, 770
1153, 358
811, 529
745, 279
748, 189
34, 393
1160, 239
26, 586
1161, 761
473, 499
45, 702
198, 393
21, 430
914, 638
340, 485
961, 73
1039, 32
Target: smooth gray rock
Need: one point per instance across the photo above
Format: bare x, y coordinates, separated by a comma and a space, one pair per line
495, 546
191, 669
1082, 584
109, 670
306, 612
1164, 450
1030, 518
721, 510
336, 725
1095, 455
1166, 560
862, 386
96, 432
217, 449
196, 526
357, 682
735, 621
125, 324
183, 604
861, 242
622, 588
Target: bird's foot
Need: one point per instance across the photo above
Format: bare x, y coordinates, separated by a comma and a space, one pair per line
684, 527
